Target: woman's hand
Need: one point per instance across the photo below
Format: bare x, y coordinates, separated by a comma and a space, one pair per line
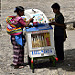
31, 19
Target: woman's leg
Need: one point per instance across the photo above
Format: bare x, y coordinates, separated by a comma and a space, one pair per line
18, 53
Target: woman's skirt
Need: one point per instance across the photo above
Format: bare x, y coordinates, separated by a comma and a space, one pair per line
18, 52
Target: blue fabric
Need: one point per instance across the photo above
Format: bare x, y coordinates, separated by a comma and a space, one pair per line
18, 39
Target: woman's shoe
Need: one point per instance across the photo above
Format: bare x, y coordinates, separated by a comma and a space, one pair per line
18, 66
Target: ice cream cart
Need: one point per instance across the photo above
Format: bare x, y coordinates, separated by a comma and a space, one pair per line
40, 39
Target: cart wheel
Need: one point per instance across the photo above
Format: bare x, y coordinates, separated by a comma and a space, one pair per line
29, 61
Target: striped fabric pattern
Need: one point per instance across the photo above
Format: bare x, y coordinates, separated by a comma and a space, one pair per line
18, 52
12, 28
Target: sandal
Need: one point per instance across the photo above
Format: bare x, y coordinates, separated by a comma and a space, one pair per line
18, 66
21, 67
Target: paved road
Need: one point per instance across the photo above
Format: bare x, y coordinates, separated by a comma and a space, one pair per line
43, 67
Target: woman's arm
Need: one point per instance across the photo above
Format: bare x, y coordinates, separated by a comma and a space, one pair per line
25, 24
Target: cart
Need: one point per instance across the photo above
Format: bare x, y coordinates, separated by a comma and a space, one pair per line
40, 39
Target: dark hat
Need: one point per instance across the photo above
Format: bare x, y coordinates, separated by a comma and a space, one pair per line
18, 8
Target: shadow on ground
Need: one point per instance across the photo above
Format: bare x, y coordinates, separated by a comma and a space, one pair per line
68, 64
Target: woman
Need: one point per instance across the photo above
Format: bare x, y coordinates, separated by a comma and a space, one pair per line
59, 31
15, 29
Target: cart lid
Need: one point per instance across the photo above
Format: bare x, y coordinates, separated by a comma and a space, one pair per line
39, 27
